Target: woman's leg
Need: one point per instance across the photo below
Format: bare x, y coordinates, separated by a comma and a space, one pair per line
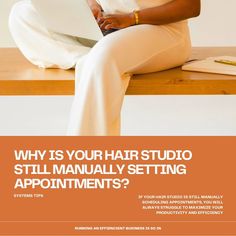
104, 74
40, 46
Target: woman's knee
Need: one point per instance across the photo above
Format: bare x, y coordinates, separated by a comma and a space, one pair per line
98, 66
21, 15
107, 49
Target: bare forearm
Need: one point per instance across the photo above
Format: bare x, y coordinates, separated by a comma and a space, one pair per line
93, 3
176, 10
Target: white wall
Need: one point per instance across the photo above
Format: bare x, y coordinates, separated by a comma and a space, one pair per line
5, 37
216, 25
141, 115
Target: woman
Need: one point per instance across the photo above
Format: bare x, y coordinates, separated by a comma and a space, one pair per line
152, 35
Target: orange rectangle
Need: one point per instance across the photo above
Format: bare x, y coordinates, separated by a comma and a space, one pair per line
117, 186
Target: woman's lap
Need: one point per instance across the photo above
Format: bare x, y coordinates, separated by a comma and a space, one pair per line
143, 49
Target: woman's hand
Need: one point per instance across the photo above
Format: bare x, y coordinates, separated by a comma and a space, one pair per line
97, 11
116, 21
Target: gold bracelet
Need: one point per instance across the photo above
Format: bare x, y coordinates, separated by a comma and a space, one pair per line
136, 17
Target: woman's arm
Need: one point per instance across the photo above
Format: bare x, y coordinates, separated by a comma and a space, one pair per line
93, 3
96, 8
174, 11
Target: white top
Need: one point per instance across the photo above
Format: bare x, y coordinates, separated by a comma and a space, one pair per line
125, 6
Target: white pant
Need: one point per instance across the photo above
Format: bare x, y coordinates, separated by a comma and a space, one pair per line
103, 72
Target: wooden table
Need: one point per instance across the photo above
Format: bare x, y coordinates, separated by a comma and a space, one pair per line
19, 77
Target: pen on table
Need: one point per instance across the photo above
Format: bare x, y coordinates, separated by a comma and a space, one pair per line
226, 62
